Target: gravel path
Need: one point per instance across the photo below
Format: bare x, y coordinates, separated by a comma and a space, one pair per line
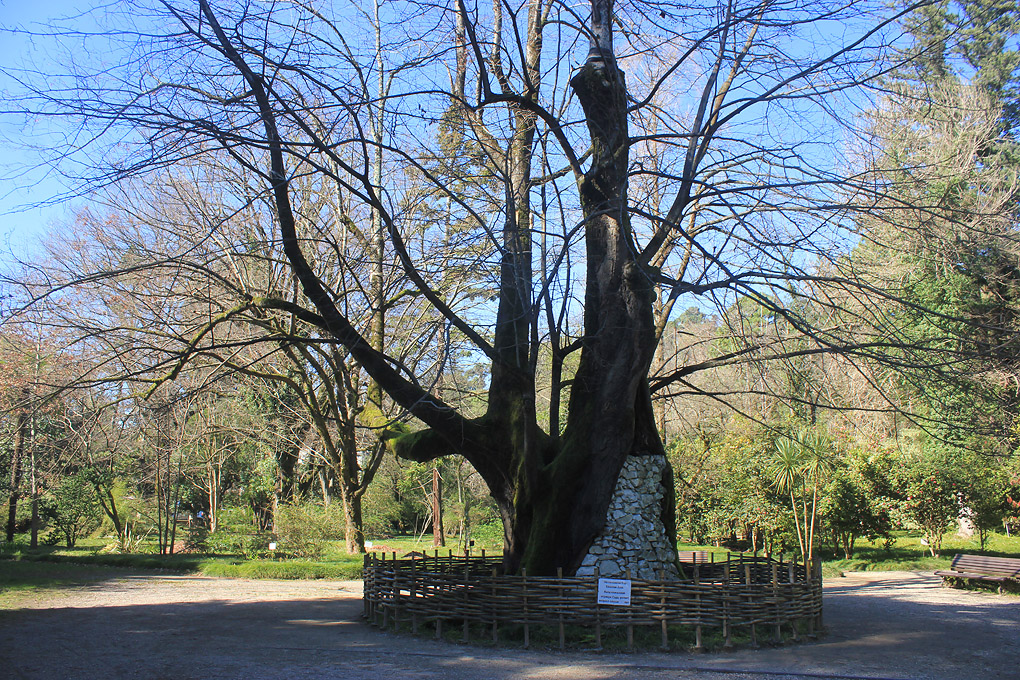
890, 625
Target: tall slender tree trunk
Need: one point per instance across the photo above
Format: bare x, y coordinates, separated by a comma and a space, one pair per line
34, 541
438, 533
16, 457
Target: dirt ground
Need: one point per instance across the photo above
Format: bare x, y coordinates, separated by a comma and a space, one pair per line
888, 625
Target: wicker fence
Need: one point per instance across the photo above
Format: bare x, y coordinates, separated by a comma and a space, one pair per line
757, 594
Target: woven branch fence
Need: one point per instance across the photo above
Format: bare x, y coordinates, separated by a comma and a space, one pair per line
756, 594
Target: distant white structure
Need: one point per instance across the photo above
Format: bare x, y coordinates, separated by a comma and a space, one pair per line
966, 526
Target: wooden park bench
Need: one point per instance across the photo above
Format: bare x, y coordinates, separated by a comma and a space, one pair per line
1000, 570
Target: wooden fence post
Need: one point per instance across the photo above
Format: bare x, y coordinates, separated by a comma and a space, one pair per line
662, 606
527, 630
630, 621
775, 595
559, 593
466, 589
727, 639
495, 608
414, 597
793, 578
750, 597
698, 647
396, 593
385, 605
598, 612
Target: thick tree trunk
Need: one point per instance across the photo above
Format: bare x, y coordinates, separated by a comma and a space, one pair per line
610, 413
553, 492
286, 480
354, 534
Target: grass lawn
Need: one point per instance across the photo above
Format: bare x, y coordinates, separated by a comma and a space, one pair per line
55, 567
19, 578
19, 559
907, 553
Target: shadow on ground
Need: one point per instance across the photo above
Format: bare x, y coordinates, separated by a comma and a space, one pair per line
880, 626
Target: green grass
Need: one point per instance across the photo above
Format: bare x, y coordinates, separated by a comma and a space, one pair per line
58, 566
343, 570
22, 568
20, 579
335, 563
907, 553
90, 554
405, 544
18, 575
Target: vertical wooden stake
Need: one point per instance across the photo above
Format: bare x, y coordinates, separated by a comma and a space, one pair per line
495, 610
775, 596
598, 613
527, 630
750, 591
630, 625
698, 647
793, 578
467, 601
386, 606
559, 591
414, 597
727, 639
662, 605
396, 593
809, 567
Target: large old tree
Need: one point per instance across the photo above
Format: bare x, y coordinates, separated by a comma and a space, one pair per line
582, 202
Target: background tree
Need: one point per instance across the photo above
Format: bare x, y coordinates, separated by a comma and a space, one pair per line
74, 508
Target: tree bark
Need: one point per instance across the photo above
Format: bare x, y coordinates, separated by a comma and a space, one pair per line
438, 533
16, 456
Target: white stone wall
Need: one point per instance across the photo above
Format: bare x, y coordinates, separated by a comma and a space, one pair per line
634, 537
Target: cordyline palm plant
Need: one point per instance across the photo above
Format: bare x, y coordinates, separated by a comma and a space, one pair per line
799, 468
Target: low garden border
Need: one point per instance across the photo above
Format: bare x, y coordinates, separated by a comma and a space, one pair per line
746, 592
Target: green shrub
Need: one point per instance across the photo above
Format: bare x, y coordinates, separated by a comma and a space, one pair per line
235, 535
251, 545
488, 535
197, 539
933, 490
235, 520
73, 509
304, 530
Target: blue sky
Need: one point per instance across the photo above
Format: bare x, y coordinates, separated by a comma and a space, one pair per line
21, 225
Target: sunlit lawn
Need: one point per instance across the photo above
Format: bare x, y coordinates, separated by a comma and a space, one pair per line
55, 565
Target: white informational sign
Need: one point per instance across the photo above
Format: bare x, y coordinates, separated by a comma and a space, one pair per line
614, 591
